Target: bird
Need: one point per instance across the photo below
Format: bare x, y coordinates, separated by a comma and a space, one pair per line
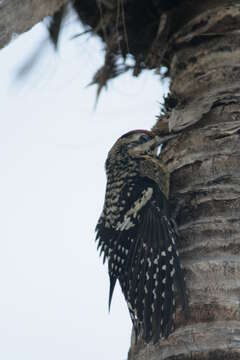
137, 236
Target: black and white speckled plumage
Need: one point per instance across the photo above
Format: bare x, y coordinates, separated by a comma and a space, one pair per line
136, 236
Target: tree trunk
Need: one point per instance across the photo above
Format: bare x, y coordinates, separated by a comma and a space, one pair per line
19, 16
204, 162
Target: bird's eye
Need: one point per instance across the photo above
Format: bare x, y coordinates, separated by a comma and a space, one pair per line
144, 138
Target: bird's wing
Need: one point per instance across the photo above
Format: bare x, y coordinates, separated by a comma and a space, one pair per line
151, 270
142, 255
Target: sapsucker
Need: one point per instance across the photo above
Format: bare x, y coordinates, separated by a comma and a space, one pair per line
137, 237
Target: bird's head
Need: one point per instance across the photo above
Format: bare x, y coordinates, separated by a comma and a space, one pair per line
138, 152
135, 144
132, 144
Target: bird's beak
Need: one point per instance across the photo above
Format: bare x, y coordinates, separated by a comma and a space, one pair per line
152, 146
159, 141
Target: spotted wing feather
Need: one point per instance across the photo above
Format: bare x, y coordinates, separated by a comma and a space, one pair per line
152, 270
142, 256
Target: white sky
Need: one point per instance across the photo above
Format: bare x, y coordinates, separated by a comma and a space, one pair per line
53, 287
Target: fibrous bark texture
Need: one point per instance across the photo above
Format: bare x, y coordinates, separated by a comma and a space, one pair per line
204, 162
17, 16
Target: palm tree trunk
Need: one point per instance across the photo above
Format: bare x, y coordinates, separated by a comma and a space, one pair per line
204, 162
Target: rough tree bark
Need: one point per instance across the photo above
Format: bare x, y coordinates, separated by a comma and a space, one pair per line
19, 16
204, 161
